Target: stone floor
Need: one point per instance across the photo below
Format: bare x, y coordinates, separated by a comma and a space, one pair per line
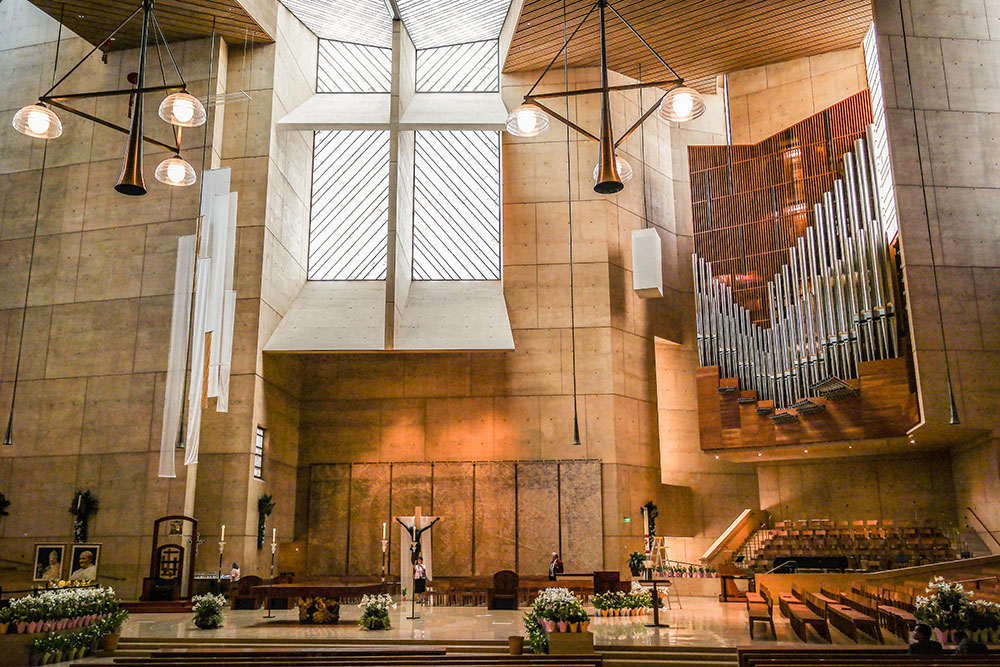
703, 621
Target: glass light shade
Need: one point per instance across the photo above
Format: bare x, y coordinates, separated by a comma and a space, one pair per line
624, 169
682, 104
175, 171
183, 110
527, 121
37, 121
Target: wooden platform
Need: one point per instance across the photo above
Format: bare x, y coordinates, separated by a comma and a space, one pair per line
885, 407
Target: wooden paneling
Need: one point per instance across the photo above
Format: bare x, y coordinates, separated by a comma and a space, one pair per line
93, 20
698, 38
751, 203
885, 407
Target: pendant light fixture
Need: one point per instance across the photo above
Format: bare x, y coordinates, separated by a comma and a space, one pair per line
180, 109
679, 104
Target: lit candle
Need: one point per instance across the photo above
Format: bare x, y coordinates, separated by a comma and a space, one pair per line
383, 530
274, 534
223, 538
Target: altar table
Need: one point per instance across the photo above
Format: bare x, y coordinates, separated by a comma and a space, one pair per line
319, 603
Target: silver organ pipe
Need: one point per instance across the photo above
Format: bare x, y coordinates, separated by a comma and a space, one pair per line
831, 306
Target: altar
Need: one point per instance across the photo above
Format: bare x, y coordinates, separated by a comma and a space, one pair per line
318, 603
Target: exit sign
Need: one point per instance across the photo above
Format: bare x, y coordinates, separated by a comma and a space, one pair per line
627, 519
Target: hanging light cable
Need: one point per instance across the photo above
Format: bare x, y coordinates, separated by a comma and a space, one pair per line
8, 438
569, 203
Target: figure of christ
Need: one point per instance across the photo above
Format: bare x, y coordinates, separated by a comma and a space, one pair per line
415, 533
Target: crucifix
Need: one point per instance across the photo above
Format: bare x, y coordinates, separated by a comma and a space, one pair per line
415, 552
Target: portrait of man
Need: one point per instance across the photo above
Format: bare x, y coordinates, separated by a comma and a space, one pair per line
48, 562
84, 559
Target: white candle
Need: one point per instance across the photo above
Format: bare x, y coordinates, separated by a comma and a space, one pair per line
223, 538
274, 534
383, 530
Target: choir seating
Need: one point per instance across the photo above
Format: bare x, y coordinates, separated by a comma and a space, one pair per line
862, 545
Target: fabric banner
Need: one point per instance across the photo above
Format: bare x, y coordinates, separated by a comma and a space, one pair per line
177, 359
197, 364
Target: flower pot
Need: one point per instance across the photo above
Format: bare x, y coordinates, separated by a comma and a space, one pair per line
574, 627
4, 627
109, 642
561, 625
994, 635
46, 658
516, 644
35, 659
80, 652
32, 625
584, 626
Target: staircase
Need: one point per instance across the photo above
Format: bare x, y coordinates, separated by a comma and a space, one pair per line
136, 649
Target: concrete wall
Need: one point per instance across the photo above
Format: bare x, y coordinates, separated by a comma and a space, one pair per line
96, 331
765, 100
943, 113
914, 488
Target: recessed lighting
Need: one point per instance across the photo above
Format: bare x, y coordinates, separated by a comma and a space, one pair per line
850, 446
716, 457
805, 451
758, 454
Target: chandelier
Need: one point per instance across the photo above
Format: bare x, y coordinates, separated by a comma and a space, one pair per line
679, 104
179, 108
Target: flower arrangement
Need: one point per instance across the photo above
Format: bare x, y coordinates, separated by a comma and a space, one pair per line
52, 647
554, 610
375, 611
636, 602
208, 611
948, 607
60, 609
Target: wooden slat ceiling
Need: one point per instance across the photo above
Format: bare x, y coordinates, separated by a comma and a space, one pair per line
700, 39
181, 20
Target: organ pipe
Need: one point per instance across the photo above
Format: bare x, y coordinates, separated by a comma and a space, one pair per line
831, 305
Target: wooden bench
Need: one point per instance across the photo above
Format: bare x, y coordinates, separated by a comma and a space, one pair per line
854, 657
850, 622
784, 601
801, 618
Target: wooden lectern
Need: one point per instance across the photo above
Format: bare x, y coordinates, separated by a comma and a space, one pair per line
728, 574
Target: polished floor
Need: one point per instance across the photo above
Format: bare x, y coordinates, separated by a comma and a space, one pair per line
702, 621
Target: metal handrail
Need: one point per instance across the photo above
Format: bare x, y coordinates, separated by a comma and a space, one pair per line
989, 532
787, 562
976, 580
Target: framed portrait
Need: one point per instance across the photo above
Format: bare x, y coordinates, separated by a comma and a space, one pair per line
49, 559
84, 559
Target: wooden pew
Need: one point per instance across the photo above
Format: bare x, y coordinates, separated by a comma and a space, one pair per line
854, 657
801, 618
760, 609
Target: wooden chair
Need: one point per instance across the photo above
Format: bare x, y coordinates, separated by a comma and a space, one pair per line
503, 594
244, 597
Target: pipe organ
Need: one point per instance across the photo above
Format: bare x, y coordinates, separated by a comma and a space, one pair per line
831, 305
800, 334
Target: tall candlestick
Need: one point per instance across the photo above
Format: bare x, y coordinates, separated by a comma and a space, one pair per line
223, 538
383, 530
274, 535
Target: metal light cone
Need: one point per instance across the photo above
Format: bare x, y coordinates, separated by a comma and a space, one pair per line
953, 408
131, 182
576, 430
8, 440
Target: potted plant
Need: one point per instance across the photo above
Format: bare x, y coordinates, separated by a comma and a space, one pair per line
375, 611
635, 561
983, 621
111, 629
552, 608
208, 611
943, 608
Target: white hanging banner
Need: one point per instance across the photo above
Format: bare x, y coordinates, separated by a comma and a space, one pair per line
226, 350
218, 222
195, 392
177, 359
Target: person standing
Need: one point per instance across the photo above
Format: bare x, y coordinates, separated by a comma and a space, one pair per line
419, 578
234, 574
555, 566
